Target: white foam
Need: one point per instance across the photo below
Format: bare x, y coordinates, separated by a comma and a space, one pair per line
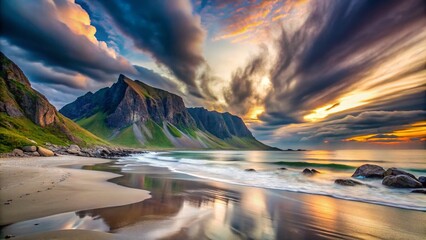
289, 180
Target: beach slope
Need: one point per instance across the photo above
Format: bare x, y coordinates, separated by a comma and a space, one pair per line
38, 187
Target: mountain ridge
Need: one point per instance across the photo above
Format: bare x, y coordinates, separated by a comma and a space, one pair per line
131, 112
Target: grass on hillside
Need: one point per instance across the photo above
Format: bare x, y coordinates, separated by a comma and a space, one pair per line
173, 131
17, 132
127, 138
96, 124
159, 139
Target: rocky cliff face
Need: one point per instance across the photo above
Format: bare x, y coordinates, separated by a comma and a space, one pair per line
134, 114
26, 116
221, 125
19, 99
127, 102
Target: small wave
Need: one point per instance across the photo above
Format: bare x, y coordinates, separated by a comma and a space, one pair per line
420, 170
309, 164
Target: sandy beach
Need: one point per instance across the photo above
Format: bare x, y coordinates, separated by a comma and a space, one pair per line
81, 204
38, 187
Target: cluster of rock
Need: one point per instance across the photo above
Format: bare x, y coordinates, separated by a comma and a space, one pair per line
98, 151
392, 177
32, 151
55, 150
309, 172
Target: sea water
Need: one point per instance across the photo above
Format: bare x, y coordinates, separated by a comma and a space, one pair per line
230, 167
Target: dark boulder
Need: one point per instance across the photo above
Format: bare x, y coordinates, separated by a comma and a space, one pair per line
282, 168
395, 171
401, 181
369, 171
250, 170
347, 182
308, 171
422, 180
29, 148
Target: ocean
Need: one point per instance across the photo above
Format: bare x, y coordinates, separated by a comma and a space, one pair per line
230, 166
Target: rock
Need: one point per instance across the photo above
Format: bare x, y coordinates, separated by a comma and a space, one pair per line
308, 171
73, 149
18, 152
395, 171
282, 168
347, 182
29, 148
401, 181
35, 154
422, 180
419, 191
369, 171
250, 170
45, 152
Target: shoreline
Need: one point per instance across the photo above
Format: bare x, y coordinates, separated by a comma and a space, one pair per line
36, 187
420, 209
190, 203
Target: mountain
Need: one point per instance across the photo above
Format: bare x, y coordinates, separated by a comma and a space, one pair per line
134, 114
27, 117
227, 127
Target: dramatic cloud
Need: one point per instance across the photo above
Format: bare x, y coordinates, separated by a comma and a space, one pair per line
60, 48
348, 57
346, 72
245, 20
372, 127
244, 91
167, 30
61, 35
336, 62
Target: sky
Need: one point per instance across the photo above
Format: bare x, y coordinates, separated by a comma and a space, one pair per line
315, 74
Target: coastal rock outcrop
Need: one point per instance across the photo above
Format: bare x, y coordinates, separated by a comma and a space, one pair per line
309, 172
369, 171
347, 182
401, 181
395, 171
419, 191
422, 180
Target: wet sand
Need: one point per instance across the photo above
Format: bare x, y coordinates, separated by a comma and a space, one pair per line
185, 207
38, 187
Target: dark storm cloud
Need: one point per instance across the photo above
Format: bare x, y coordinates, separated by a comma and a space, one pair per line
380, 122
308, 72
337, 53
55, 45
35, 27
167, 29
240, 94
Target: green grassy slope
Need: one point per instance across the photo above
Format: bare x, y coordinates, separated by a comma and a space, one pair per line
16, 132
